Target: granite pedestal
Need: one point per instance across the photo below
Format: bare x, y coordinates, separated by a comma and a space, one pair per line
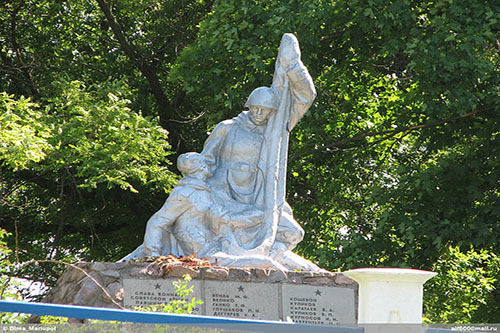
303, 297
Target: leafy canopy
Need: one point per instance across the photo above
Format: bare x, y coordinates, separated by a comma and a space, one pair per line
396, 164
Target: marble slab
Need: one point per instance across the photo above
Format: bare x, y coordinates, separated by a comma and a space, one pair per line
300, 298
146, 292
318, 304
242, 300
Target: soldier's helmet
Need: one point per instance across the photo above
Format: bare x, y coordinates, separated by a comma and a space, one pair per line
262, 96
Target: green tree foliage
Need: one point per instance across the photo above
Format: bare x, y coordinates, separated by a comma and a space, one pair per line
398, 158
23, 137
83, 160
407, 97
7, 286
99, 40
396, 163
5, 264
179, 305
463, 291
72, 176
86, 129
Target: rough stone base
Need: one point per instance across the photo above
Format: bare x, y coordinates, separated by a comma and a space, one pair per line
306, 297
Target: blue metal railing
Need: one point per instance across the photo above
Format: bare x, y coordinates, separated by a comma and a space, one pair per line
84, 312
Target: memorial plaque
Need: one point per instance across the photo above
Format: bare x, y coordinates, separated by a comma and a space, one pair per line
308, 304
302, 297
242, 300
138, 292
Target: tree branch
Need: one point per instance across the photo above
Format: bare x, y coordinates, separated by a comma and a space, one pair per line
17, 50
150, 73
390, 134
147, 70
115, 302
117, 30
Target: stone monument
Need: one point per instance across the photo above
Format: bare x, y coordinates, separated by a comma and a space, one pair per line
230, 210
230, 206
323, 298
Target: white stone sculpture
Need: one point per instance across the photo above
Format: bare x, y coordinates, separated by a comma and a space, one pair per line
230, 206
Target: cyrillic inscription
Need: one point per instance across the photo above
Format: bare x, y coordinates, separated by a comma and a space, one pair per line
139, 292
241, 300
318, 305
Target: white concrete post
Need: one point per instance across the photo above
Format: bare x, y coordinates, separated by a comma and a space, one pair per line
390, 295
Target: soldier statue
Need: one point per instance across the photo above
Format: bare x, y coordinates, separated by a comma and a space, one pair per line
230, 207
